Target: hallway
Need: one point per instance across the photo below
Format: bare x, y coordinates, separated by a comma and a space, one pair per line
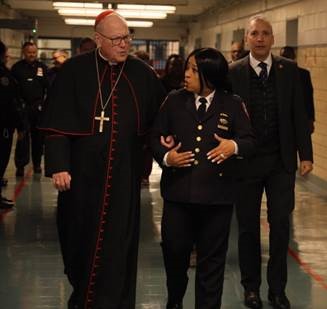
32, 272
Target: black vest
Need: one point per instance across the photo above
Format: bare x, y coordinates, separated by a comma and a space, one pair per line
263, 109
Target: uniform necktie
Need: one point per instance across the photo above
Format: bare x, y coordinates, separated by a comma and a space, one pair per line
202, 108
263, 75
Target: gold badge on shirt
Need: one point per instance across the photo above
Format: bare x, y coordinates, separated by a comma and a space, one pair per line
223, 121
39, 72
4, 81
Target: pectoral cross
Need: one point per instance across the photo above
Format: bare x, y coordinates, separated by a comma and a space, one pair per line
102, 118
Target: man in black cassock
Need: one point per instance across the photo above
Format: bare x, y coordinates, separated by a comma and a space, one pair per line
93, 148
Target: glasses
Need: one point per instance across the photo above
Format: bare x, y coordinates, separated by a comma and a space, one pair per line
115, 41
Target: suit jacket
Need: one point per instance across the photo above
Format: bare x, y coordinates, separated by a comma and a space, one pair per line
307, 93
204, 182
293, 125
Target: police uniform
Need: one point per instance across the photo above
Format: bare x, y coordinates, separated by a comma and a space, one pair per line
198, 200
33, 84
9, 117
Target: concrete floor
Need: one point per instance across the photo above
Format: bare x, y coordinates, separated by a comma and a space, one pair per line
31, 271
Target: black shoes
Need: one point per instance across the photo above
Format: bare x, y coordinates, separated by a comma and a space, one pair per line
3, 182
252, 300
145, 182
279, 301
174, 306
5, 203
20, 172
37, 169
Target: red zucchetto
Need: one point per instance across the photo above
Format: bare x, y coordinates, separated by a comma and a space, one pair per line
102, 15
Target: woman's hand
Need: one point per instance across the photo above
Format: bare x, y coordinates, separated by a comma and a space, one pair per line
223, 151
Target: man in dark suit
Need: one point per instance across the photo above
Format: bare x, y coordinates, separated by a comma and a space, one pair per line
289, 52
270, 87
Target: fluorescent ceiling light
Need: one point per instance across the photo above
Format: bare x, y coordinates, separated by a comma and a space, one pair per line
142, 14
79, 21
161, 8
139, 23
79, 12
124, 13
134, 7
58, 5
90, 22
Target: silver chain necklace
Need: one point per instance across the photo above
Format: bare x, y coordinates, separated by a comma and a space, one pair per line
102, 117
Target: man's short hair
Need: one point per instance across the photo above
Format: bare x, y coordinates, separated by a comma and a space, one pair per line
26, 44
142, 54
62, 52
256, 18
288, 52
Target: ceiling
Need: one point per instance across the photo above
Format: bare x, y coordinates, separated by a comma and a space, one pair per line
186, 10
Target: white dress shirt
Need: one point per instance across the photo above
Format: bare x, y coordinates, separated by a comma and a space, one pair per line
254, 63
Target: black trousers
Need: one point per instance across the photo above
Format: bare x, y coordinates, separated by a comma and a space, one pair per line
34, 137
6, 136
206, 226
266, 173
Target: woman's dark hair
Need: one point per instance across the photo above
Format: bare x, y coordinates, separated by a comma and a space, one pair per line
3, 50
212, 67
174, 63
173, 75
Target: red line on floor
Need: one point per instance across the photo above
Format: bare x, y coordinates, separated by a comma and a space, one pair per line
22, 184
18, 190
305, 266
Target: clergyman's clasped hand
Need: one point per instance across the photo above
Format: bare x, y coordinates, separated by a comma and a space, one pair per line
61, 181
179, 159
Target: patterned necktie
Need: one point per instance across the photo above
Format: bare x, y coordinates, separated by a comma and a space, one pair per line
202, 108
263, 73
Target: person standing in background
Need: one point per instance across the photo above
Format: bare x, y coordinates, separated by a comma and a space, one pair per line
31, 76
10, 118
147, 159
271, 88
59, 57
173, 75
86, 45
237, 51
289, 52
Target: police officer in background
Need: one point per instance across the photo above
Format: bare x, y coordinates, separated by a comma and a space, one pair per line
9, 118
59, 57
31, 76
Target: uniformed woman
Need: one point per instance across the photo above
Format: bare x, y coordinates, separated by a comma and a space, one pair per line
211, 134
